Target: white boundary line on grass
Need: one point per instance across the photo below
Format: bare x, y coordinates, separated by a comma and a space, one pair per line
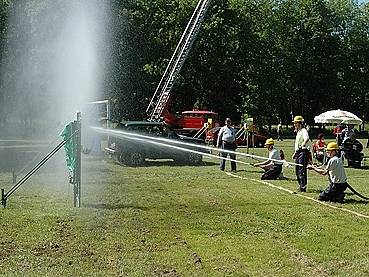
300, 195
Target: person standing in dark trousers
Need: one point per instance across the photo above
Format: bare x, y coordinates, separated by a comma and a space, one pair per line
227, 141
302, 152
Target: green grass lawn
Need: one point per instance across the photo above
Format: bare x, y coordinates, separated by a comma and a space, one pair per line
167, 220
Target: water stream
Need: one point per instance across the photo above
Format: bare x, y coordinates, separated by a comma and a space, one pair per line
168, 143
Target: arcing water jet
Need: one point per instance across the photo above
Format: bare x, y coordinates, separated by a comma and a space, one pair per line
168, 143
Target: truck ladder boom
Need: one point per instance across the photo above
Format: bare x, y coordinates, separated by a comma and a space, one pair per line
162, 93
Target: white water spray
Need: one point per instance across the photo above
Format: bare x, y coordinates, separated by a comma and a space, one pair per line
53, 64
163, 142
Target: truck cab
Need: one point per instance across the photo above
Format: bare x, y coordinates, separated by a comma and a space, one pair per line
192, 121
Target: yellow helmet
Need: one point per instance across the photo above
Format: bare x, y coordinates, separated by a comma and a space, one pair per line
269, 141
298, 118
332, 146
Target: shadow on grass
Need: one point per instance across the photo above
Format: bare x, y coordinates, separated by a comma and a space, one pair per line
103, 206
355, 201
286, 178
251, 171
315, 190
348, 201
364, 167
244, 170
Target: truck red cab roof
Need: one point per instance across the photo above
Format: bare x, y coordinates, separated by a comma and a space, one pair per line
199, 112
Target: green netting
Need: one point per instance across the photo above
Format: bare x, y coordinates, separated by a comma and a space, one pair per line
70, 147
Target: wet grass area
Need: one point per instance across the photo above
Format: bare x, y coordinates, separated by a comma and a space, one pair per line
168, 220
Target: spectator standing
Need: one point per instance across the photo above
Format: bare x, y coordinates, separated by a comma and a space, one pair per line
347, 132
227, 141
279, 131
337, 132
302, 152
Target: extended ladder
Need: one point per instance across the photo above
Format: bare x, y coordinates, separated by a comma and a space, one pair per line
162, 93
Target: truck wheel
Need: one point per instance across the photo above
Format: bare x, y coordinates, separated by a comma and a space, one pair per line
135, 159
180, 159
194, 159
121, 157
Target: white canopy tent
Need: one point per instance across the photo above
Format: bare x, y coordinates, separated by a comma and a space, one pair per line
338, 117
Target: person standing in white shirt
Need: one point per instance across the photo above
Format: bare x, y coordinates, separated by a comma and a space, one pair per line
302, 152
279, 131
227, 141
335, 170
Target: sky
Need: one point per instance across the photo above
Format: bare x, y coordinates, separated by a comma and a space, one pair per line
363, 1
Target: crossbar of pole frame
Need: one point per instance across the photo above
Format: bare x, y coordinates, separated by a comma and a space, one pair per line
5, 196
3, 199
27, 165
34, 169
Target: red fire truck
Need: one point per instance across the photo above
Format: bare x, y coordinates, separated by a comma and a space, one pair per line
191, 122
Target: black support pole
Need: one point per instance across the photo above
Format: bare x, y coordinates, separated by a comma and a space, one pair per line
5, 196
3, 199
77, 174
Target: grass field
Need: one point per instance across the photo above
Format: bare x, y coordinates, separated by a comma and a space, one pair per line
167, 220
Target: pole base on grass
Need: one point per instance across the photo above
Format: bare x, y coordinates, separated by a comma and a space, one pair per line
3, 199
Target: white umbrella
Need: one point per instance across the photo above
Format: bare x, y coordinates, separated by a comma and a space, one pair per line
338, 116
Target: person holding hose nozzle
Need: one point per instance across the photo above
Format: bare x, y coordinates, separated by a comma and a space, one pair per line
302, 152
273, 168
335, 191
227, 141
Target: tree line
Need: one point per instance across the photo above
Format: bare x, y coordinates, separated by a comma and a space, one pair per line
266, 59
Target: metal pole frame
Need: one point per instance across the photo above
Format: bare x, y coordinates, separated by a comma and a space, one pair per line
76, 127
76, 132
3, 198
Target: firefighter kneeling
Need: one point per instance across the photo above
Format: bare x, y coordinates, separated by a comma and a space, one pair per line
272, 167
335, 191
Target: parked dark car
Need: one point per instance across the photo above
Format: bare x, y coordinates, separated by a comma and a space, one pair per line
134, 152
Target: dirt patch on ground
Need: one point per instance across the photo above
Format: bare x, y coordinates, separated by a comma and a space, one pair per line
64, 229
167, 273
304, 260
195, 258
46, 249
7, 249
